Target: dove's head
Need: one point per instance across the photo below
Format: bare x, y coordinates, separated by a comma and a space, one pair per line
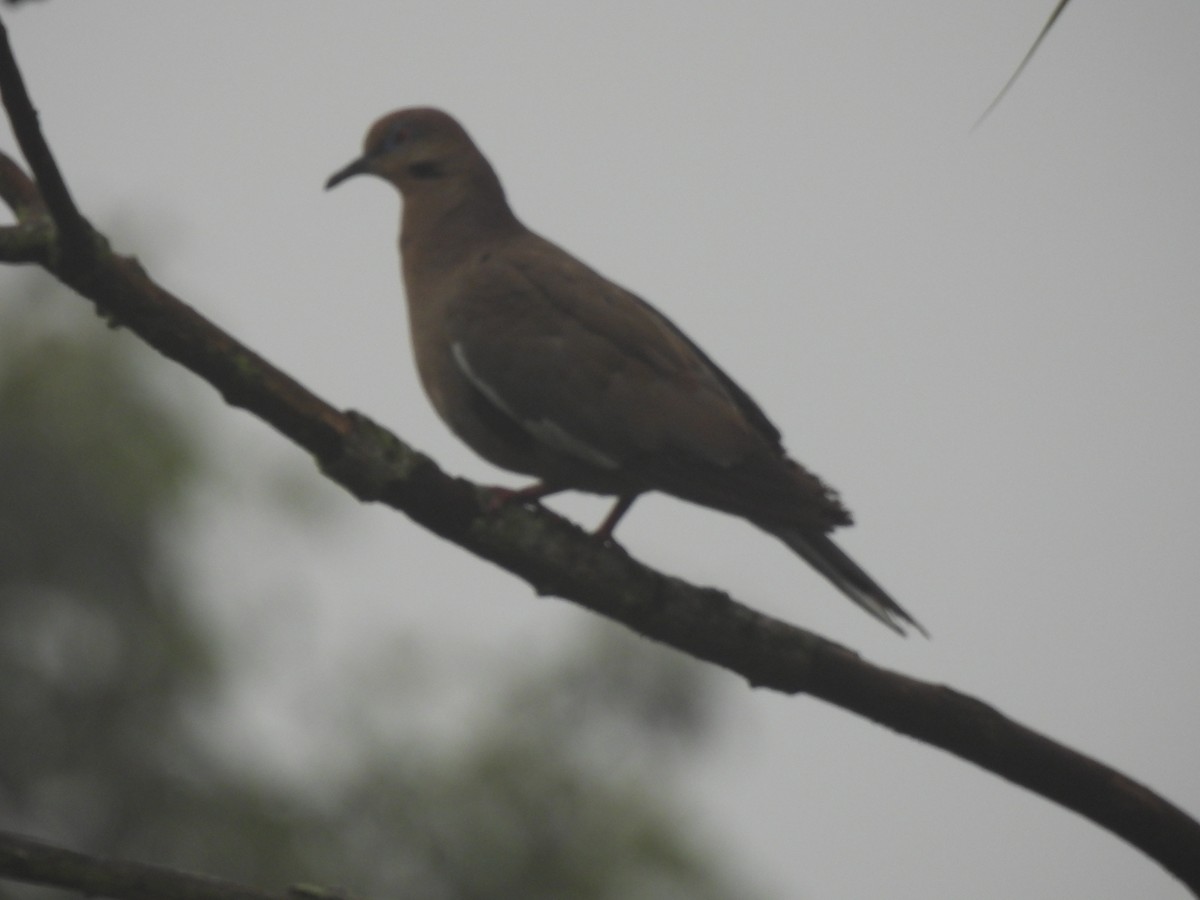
411, 147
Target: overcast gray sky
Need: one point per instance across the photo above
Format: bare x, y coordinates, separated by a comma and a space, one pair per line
987, 341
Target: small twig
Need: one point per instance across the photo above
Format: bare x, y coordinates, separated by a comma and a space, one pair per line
1062, 4
74, 229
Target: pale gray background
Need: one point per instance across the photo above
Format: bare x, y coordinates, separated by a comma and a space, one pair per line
987, 341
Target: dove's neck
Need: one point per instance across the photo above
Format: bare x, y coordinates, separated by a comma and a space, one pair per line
449, 217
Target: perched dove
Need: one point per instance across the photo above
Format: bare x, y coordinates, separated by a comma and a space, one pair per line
545, 367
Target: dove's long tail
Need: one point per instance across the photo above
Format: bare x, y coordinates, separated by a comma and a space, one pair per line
847, 576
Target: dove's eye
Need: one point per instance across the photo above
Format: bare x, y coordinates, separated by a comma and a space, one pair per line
396, 137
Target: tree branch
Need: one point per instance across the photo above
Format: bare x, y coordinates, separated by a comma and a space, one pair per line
555, 557
75, 231
24, 859
1057, 11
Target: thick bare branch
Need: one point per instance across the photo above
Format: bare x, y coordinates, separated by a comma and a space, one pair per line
557, 558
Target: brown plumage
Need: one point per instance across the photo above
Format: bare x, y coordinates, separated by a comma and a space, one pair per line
545, 367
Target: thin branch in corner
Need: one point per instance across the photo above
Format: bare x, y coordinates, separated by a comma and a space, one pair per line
1062, 4
74, 230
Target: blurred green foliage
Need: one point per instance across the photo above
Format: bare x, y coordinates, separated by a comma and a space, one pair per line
108, 674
